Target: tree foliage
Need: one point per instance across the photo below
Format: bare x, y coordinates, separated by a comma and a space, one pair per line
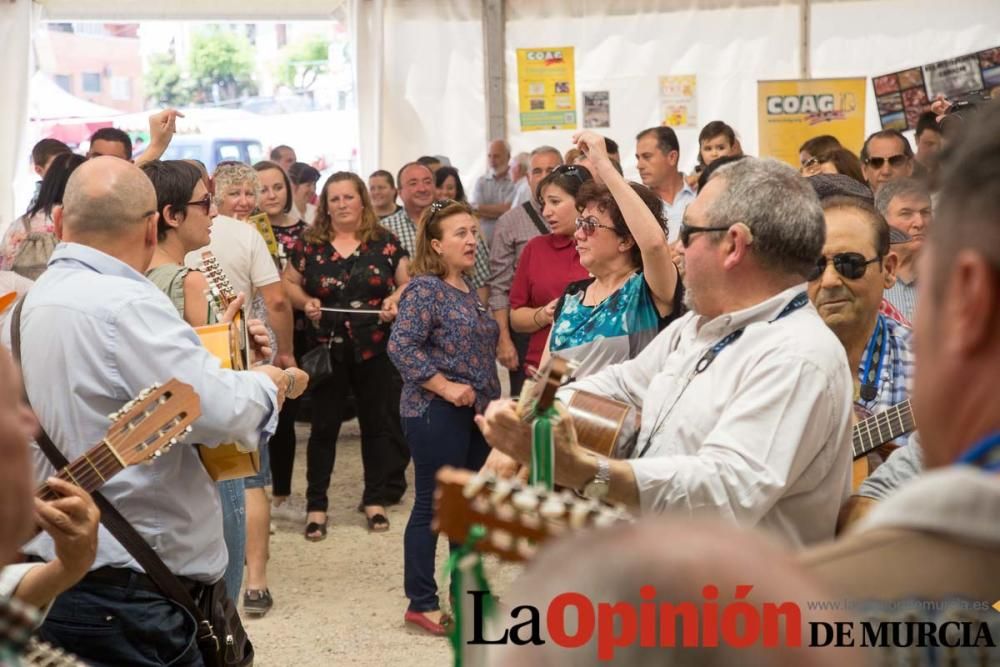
164, 83
301, 63
222, 65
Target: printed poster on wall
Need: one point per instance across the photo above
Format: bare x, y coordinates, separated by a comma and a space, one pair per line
790, 112
596, 108
678, 101
903, 96
546, 85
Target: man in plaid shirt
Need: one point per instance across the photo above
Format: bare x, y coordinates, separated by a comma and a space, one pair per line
416, 189
846, 288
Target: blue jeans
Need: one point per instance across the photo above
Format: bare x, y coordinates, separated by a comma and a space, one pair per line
234, 531
443, 435
263, 478
113, 626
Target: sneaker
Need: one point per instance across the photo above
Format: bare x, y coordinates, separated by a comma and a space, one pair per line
257, 603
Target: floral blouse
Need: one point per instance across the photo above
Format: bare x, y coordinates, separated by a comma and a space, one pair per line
441, 329
361, 280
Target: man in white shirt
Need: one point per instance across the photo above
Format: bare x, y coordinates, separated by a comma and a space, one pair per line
746, 400
657, 153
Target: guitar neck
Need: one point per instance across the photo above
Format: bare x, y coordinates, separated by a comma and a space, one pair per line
88, 472
886, 426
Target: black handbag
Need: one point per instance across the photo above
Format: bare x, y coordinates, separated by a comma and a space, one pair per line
316, 362
221, 638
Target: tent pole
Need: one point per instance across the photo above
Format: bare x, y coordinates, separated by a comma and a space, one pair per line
494, 69
805, 22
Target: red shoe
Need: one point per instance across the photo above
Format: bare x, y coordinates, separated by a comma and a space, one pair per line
421, 621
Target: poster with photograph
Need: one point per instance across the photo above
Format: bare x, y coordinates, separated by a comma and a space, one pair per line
546, 86
596, 108
679, 101
902, 96
790, 112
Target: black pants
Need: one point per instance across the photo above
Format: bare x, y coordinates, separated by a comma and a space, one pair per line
517, 376
376, 385
282, 449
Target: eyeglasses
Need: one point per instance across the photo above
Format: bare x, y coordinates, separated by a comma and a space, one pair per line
810, 166
687, 231
894, 161
579, 173
851, 265
589, 225
205, 203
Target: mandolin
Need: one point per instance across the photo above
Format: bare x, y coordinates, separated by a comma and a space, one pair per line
874, 432
230, 344
603, 425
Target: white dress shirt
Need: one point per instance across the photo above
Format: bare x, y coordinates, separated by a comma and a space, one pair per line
94, 333
762, 436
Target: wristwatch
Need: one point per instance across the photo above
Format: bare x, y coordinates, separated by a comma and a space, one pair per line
597, 488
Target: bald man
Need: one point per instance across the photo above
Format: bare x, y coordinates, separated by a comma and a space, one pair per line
494, 192
94, 333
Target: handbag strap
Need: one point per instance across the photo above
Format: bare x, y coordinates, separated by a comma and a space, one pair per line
116, 524
535, 218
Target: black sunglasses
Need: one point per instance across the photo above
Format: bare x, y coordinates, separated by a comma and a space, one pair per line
687, 231
851, 265
205, 203
894, 161
576, 171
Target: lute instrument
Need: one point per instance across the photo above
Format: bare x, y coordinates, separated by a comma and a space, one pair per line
230, 344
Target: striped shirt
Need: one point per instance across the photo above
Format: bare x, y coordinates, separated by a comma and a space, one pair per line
400, 224
903, 295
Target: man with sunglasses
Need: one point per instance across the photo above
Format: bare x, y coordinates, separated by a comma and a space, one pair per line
886, 156
846, 287
745, 400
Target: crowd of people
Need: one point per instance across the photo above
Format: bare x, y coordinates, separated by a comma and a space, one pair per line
750, 311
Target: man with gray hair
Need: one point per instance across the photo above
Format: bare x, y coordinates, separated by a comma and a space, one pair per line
746, 400
513, 231
906, 206
494, 191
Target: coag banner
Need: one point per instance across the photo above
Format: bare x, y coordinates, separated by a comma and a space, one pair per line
790, 112
546, 85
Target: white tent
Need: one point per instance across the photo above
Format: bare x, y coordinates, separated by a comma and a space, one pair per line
50, 102
434, 75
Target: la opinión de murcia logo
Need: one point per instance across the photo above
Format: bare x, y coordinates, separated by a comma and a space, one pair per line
572, 620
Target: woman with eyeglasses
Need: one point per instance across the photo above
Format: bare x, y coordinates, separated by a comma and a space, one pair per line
634, 290
548, 262
347, 261
444, 344
810, 151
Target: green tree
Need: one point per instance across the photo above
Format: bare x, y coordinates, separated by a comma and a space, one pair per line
301, 63
224, 59
164, 83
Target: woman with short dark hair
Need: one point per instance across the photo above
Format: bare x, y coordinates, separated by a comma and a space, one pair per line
444, 345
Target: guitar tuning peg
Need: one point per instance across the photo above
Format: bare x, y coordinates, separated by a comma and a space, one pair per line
474, 485
552, 508
525, 500
501, 490
526, 549
172, 441
578, 515
114, 416
502, 539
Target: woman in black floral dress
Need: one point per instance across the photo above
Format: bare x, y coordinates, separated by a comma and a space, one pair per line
347, 260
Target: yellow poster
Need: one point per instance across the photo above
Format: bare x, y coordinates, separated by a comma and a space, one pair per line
679, 101
791, 112
546, 85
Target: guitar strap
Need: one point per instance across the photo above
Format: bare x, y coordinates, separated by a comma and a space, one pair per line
535, 218
116, 524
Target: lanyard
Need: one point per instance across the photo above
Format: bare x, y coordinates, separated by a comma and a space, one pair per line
871, 372
711, 353
985, 453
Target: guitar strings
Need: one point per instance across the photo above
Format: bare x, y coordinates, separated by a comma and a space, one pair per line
884, 418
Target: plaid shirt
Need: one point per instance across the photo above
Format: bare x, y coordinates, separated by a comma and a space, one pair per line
896, 382
891, 311
903, 296
400, 224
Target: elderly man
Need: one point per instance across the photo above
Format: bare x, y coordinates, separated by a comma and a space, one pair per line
494, 191
934, 545
846, 288
513, 231
886, 156
906, 205
746, 400
95, 325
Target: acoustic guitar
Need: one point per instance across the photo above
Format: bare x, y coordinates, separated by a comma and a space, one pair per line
230, 344
603, 425
871, 435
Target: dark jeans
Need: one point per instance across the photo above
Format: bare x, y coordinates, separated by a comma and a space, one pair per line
517, 376
444, 435
281, 447
113, 626
384, 454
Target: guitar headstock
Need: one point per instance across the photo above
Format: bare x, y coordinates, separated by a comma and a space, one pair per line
151, 423
541, 393
220, 290
517, 517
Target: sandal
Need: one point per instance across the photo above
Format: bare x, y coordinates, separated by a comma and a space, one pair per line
419, 620
316, 532
378, 523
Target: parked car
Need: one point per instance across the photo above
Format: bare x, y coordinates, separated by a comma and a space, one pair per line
213, 150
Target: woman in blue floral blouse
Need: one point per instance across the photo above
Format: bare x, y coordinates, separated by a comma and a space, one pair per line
348, 261
444, 344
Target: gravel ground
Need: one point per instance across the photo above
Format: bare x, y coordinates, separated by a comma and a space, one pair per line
341, 601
